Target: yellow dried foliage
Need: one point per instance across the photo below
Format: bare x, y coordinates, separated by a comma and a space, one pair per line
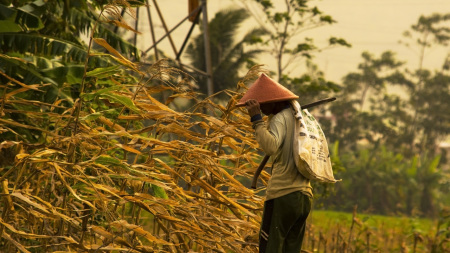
155, 179
122, 168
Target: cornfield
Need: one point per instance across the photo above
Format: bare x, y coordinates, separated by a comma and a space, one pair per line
121, 171
114, 169
130, 176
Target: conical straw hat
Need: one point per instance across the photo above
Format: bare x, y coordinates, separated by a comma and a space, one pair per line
266, 90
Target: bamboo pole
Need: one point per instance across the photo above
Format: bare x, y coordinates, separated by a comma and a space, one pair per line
209, 78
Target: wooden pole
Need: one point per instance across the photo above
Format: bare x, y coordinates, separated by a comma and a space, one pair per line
136, 27
209, 78
150, 21
187, 38
165, 26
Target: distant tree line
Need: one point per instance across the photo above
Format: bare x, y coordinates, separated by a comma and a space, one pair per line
389, 143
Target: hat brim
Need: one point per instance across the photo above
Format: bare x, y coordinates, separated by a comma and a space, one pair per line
266, 90
240, 104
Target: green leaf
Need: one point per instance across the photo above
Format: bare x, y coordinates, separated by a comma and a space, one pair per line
105, 90
7, 13
126, 101
92, 116
84, 20
412, 170
30, 75
434, 164
327, 19
339, 41
303, 47
16, 20
278, 17
9, 26
265, 3
70, 74
103, 72
108, 160
7, 17
315, 11
159, 192
90, 96
96, 115
44, 45
36, 8
6, 2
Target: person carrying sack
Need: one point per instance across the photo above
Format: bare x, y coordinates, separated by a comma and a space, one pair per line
289, 193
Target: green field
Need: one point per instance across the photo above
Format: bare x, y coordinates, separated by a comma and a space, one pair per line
331, 231
325, 219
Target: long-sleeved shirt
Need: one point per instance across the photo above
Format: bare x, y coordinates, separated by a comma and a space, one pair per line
276, 140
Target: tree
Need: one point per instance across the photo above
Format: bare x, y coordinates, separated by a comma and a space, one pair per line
40, 43
428, 91
381, 180
228, 56
365, 110
390, 141
372, 76
312, 84
285, 26
57, 24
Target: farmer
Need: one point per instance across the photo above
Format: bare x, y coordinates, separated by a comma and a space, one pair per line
289, 194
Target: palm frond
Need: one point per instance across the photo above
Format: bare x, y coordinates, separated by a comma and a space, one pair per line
85, 22
228, 56
223, 27
29, 74
43, 45
18, 19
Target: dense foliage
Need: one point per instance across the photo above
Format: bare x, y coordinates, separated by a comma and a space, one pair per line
390, 140
91, 160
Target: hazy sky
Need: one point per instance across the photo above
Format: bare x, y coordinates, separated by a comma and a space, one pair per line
369, 25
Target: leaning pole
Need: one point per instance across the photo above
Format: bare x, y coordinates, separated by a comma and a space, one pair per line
209, 77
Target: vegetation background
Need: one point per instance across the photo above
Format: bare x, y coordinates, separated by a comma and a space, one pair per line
103, 148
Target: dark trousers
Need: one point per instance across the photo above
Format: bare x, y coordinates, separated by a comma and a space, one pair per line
283, 224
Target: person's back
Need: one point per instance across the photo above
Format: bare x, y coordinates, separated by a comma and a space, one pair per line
285, 175
289, 194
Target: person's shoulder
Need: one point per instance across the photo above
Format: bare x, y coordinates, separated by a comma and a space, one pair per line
283, 115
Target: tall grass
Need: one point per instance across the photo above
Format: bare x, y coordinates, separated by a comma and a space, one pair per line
119, 169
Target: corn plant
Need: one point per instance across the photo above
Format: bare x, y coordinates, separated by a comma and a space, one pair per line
115, 168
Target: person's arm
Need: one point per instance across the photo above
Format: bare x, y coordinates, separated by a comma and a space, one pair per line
271, 139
